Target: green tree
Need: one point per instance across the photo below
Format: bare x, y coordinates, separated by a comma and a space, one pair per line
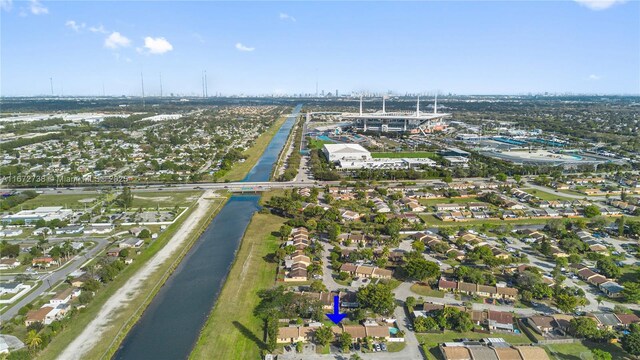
377, 298
419, 268
344, 340
33, 340
566, 303
631, 291
600, 355
333, 231
631, 342
418, 246
318, 286
424, 324
591, 211
583, 327
323, 335
410, 302
284, 232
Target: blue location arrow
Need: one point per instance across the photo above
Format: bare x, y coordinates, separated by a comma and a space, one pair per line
336, 317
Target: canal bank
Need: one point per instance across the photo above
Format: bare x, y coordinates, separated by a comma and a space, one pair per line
170, 326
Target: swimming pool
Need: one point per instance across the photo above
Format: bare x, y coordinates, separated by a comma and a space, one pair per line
393, 330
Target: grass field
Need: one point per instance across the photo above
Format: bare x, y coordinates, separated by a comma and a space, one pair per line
165, 198
411, 154
583, 351
423, 290
317, 144
241, 169
232, 332
546, 196
71, 201
75, 327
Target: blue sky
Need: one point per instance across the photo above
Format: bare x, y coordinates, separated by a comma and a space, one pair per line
464, 47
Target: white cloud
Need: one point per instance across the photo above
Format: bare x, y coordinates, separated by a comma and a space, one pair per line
116, 40
284, 16
594, 77
6, 5
74, 25
599, 4
98, 29
157, 45
37, 8
241, 47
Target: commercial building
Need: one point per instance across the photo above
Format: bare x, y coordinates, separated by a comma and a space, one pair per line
46, 213
338, 152
386, 163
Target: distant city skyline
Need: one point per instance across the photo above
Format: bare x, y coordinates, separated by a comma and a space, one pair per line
263, 48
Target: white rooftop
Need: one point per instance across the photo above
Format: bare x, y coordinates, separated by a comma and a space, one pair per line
345, 148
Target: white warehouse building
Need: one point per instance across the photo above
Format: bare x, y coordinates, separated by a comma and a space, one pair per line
338, 152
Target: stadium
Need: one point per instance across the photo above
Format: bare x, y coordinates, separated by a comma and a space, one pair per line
398, 121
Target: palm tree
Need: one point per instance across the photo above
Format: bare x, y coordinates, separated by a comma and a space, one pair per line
599, 300
33, 340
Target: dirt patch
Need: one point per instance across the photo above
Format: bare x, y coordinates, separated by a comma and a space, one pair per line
154, 198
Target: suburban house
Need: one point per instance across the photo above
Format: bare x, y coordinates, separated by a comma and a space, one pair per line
114, 252
349, 215
62, 297
365, 271
450, 207
541, 324
500, 320
43, 262
131, 242
39, 315
612, 289
9, 263
499, 292
294, 334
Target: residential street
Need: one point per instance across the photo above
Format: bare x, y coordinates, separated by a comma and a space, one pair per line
54, 277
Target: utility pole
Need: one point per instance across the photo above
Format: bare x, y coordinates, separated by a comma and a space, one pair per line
51, 83
142, 83
206, 85
160, 84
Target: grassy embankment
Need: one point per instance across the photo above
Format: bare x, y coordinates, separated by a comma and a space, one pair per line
241, 169
127, 316
583, 351
285, 157
232, 332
